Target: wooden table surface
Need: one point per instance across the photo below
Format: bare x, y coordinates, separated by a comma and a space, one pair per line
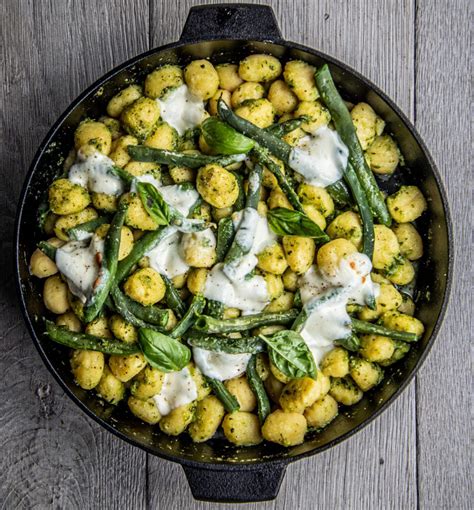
417, 453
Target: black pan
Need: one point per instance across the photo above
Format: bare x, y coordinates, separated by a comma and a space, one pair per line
215, 470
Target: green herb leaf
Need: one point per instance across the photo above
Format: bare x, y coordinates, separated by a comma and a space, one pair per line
154, 203
163, 352
286, 222
225, 139
290, 354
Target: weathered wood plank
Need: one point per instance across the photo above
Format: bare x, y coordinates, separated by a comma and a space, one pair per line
377, 468
53, 456
444, 384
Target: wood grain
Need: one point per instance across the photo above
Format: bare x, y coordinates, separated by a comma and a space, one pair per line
415, 454
444, 382
53, 456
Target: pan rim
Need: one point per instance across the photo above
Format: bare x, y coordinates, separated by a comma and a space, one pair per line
226, 464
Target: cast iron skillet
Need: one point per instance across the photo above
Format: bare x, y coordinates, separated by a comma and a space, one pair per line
215, 470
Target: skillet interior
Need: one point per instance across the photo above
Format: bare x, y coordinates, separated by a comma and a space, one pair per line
433, 280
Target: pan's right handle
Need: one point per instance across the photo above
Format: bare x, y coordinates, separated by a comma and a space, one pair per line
231, 21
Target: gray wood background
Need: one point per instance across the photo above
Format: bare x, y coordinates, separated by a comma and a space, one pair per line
414, 455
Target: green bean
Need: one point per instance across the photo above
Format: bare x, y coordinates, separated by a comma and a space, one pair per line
244, 237
256, 384
283, 128
108, 268
339, 193
222, 393
367, 328
195, 308
342, 120
48, 249
240, 202
122, 174
146, 316
215, 308
148, 154
249, 344
208, 324
88, 227
368, 235
351, 342
225, 235
146, 243
264, 138
63, 336
172, 298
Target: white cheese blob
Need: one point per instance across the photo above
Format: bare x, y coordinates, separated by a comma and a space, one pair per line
93, 172
252, 232
328, 320
178, 390
248, 294
321, 159
181, 109
79, 263
220, 365
179, 197
166, 256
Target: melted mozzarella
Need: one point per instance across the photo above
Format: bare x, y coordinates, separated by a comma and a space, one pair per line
248, 294
181, 109
179, 197
166, 256
320, 159
220, 365
78, 262
253, 233
325, 297
178, 390
93, 172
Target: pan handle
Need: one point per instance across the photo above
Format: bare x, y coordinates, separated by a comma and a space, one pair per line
231, 21
237, 484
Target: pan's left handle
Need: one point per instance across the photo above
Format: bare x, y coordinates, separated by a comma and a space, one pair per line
231, 21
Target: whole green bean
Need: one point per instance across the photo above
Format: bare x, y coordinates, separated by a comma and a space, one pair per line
256, 384
122, 308
208, 324
339, 193
48, 249
265, 138
283, 128
368, 235
225, 235
148, 154
368, 328
351, 342
240, 202
87, 227
342, 120
146, 243
149, 315
195, 308
249, 344
244, 237
63, 336
108, 268
172, 298
222, 393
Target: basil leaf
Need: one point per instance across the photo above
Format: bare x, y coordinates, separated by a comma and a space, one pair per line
290, 354
154, 203
286, 222
225, 139
163, 352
